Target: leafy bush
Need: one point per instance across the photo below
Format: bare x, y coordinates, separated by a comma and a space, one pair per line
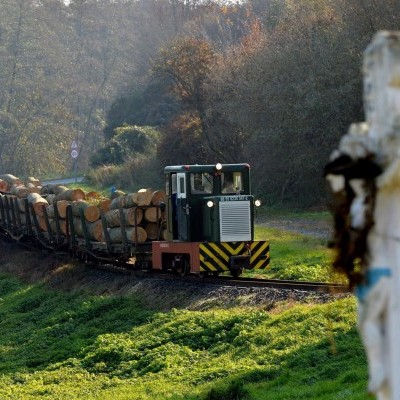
134, 174
127, 142
233, 391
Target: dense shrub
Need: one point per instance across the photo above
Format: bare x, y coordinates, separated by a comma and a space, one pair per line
136, 173
127, 142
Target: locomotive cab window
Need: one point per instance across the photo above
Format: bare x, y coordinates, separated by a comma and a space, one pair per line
201, 183
167, 185
232, 182
171, 184
182, 188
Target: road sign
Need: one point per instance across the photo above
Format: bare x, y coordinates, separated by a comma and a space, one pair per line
74, 146
74, 153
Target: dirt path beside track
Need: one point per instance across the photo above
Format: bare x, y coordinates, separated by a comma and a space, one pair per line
318, 228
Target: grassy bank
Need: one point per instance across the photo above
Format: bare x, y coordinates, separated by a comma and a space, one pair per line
77, 342
60, 345
297, 256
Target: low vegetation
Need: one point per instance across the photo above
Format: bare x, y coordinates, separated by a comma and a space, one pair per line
73, 340
297, 256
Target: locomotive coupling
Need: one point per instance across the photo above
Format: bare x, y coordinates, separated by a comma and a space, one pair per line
238, 263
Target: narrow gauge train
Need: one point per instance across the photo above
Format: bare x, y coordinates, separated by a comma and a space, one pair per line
209, 221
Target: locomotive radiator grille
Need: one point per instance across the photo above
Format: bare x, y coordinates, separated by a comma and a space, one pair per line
214, 257
235, 221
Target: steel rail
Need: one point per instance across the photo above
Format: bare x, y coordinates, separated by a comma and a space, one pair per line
126, 269
321, 287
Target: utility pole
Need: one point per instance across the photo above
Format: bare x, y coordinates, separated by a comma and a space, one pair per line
364, 178
74, 155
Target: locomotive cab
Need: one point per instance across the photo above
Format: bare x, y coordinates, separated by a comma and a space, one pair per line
210, 220
209, 203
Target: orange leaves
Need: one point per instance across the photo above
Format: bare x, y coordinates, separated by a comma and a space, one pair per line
187, 62
254, 38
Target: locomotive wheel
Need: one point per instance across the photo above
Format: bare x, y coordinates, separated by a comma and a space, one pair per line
184, 266
143, 264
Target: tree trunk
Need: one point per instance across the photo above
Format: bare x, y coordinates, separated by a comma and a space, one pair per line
11, 179
57, 189
126, 201
158, 197
21, 205
92, 195
152, 214
32, 188
129, 201
63, 226
104, 205
117, 203
3, 186
134, 234
143, 197
76, 206
49, 197
19, 191
71, 195
92, 213
61, 208
33, 181
42, 223
112, 217
133, 216
38, 202
152, 230
50, 189
50, 210
95, 230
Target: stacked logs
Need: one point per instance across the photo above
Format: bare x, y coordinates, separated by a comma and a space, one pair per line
139, 213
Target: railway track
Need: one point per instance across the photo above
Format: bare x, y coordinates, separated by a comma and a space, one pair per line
319, 287
221, 280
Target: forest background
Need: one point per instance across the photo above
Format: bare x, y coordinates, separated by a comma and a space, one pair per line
139, 84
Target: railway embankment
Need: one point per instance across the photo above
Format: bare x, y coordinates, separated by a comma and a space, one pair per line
72, 331
61, 273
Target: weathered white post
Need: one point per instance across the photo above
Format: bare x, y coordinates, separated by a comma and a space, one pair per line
364, 177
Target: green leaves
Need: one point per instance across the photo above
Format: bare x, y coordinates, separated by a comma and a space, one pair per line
127, 143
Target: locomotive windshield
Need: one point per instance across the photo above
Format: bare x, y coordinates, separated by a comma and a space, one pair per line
232, 182
201, 183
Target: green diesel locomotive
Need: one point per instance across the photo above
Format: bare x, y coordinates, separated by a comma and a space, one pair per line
210, 221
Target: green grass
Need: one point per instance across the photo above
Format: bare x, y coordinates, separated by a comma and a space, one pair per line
72, 344
89, 187
58, 345
295, 256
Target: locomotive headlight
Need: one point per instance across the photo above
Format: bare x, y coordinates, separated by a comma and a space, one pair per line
218, 166
257, 203
210, 203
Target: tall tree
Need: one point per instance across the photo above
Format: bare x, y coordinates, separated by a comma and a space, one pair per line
186, 64
28, 110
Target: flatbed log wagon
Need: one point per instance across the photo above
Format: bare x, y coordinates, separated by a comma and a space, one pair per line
203, 224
